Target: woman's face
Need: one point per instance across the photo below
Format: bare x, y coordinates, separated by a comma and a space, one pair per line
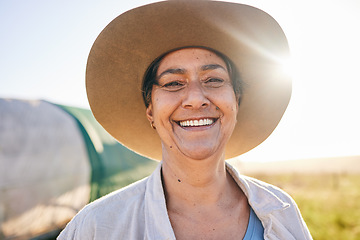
193, 106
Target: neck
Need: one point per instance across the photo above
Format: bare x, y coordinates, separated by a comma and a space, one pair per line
201, 193
201, 182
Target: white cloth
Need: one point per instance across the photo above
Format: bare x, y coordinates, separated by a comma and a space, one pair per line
139, 212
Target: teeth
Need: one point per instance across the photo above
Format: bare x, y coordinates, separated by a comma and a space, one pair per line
196, 123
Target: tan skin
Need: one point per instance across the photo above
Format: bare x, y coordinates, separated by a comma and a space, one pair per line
203, 200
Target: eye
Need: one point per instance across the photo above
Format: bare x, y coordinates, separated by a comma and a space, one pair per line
214, 82
173, 85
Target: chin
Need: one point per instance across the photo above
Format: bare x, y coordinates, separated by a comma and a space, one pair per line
201, 154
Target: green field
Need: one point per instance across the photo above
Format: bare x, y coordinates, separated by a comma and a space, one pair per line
329, 203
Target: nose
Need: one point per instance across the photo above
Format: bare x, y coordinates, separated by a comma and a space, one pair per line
195, 96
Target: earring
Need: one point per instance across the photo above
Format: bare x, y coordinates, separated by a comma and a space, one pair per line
152, 125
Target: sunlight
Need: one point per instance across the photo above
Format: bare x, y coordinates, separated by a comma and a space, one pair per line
287, 66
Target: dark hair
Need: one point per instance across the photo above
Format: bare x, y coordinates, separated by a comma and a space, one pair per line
150, 76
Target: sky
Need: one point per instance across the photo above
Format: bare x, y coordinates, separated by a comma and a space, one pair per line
44, 47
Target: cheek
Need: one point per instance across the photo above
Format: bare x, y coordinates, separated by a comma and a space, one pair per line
227, 104
163, 104
228, 101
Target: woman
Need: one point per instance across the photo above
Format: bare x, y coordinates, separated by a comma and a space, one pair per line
209, 74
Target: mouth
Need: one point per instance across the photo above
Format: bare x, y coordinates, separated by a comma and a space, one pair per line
197, 122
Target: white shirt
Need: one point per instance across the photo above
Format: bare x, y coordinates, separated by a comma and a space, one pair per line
138, 211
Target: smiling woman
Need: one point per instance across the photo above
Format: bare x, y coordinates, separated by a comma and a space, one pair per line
187, 71
193, 84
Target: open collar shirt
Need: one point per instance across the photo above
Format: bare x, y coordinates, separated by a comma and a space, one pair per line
139, 212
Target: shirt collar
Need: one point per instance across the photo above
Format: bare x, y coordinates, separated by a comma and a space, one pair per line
157, 221
261, 199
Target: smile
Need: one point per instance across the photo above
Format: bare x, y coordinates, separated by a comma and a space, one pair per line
196, 123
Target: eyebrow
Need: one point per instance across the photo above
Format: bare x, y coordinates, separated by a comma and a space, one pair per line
183, 71
212, 67
172, 71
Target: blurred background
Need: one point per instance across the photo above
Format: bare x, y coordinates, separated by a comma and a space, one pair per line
54, 157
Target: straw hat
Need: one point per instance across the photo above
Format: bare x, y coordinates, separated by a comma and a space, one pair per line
123, 51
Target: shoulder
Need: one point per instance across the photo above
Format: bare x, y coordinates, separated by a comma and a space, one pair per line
108, 213
263, 188
253, 187
275, 208
130, 195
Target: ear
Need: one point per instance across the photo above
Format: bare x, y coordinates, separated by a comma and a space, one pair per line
149, 113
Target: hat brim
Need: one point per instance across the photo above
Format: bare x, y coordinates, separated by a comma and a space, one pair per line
123, 51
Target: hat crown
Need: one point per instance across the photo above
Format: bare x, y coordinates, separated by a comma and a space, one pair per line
123, 51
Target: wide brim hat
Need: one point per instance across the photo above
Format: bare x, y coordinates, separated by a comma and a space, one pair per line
123, 51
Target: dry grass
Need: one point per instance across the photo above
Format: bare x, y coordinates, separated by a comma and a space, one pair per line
329, 203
